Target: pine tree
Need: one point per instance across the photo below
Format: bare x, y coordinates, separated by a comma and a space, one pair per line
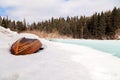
4, 23
24, 24
20, 26
101, 26
0, 20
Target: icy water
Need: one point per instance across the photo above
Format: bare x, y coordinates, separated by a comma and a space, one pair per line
109, 46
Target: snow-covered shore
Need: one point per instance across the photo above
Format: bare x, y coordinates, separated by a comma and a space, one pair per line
57, 61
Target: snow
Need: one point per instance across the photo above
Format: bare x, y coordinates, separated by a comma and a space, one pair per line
57, 61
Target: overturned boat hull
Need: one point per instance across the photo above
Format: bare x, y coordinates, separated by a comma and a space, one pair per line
25, 46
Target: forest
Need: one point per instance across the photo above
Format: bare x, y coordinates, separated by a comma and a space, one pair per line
104, 25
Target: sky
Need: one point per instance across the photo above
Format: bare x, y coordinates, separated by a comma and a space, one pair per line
40, 10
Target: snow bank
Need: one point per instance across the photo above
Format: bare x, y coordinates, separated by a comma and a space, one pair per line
57, 61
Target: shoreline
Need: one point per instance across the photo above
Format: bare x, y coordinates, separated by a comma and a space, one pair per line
64, 61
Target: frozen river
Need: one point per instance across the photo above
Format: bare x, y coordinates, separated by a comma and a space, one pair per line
109, 46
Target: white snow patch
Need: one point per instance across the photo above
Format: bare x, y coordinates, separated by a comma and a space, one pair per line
57, 61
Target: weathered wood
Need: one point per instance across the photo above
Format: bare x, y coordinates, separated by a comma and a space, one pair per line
25, 46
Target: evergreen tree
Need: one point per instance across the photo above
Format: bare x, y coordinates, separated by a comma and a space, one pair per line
0, 20
4, 23
20, 26
101, 26
24, 24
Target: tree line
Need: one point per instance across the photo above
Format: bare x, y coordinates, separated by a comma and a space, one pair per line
98, 26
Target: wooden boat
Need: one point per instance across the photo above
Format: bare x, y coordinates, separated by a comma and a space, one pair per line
25, 46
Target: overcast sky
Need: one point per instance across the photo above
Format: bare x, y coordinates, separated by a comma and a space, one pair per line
38, 10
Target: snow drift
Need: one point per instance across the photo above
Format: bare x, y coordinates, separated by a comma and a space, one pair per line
56, 62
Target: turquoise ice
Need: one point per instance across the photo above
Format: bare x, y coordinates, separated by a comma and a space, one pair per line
109, 46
